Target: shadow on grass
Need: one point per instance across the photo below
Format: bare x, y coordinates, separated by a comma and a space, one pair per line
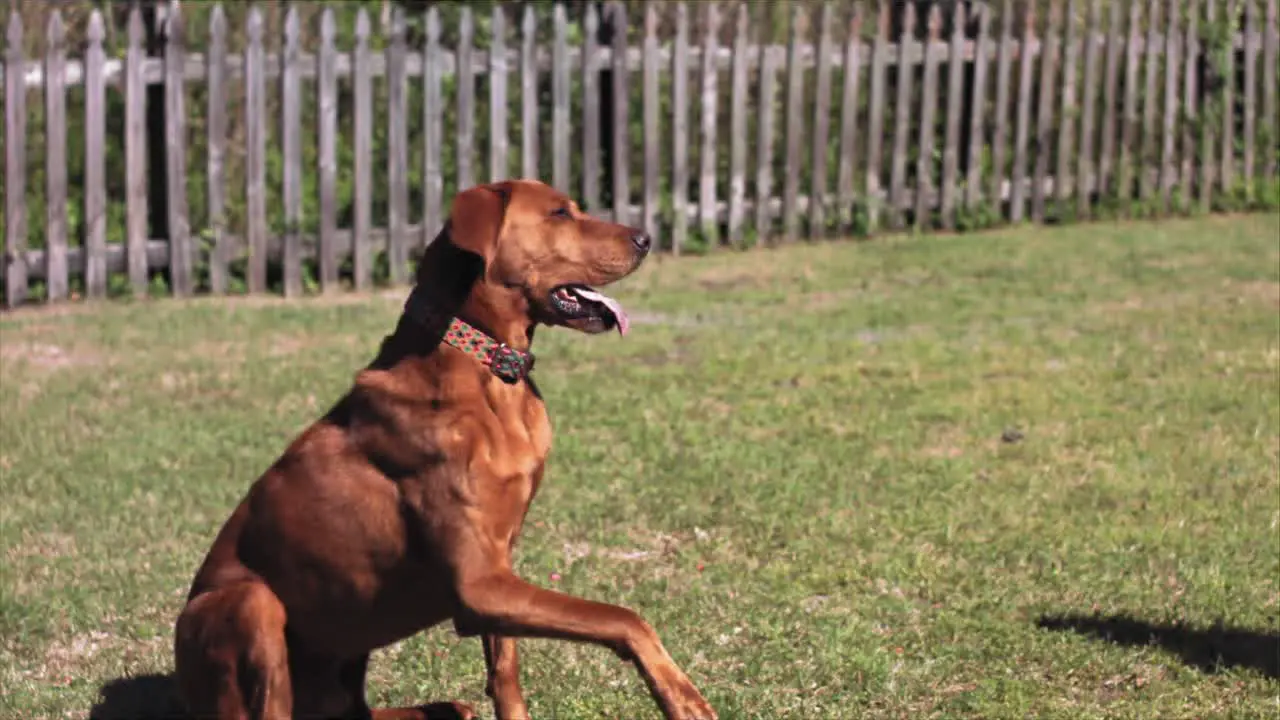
1208, 649
143, 697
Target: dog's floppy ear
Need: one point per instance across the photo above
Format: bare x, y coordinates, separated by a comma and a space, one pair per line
475, 221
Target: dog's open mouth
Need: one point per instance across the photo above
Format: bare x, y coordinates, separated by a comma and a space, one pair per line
581, 303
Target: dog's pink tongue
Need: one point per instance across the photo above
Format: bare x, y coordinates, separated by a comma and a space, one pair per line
619, 314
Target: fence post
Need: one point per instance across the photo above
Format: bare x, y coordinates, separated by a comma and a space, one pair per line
363, 201
590, 111
1271, 58
955, 89
15, 164
55, 160
1110, 101
1018, 177
1227, 174
679, 131
1208, 165
95, 191
216, 138
1191, 59
902, 119
432, 130
652, 119
464, 74
398, 149
1129, 126
621, 112
795, 100
1087, 169
1049, 48
560, 120
708, 106
875, 118
978, 109
1004, 90
1146, 151
1251, 94
1168, 160
499, 164
529, 94
180, 272
1067, 115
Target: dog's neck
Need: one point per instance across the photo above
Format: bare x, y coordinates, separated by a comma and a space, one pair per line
510, 359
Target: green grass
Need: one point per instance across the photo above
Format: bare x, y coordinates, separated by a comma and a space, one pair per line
845, 480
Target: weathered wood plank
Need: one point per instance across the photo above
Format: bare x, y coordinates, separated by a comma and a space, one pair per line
1063, 169
398, 150
181, 280
1190, 105
1088, 165
621, 155
1022, 132
255, 118
849, 121
560, 118
1110, 100
902, 119
362, 201
738, 129
978, 109
1168, 160
529, 94
795, 129
499, 160
95, 181
55, 160
652, 120
876, 112
1128, 131
327, 146
291, 140
1270, 61
1004, 91
135, 123
925, 185
1049, 50
464, 142
821, 127
764, 146
1208, 162
708, 107
679, 130
1147, 165
15, 165
590, 110
1227, 175
1250, 101
216, 150
955, 89
433, 130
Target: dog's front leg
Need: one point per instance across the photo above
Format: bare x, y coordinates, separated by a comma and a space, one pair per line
502, 662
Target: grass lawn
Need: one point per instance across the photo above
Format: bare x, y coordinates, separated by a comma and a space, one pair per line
1030, 473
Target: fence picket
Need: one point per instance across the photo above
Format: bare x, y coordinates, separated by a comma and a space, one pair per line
679, 131
499, 160
433, 130
327, 145
15, 166
560, 122
1063, 173
978, 108
1191, 59
55, 160
1208, 167
794, 130
1000, 137
821, 127
1129, 125
590, 111
1270, 59
902, 119
738, 130
362, 210
398, 152
652, 119
1022, 133
216, 150
1087, 167
707, 107
621, 95
529, 94
255, 107
1227, 176
1049, 49
1146, 151
876, 117
291, 140
955, 86
764, 143
1168, 168
95, 191
1110, 101
464, 145
928, 123
849, 121
1251, 51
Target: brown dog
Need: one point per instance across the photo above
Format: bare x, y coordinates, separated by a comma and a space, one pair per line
399, 509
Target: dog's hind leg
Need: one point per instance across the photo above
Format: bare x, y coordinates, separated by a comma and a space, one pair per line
231, 657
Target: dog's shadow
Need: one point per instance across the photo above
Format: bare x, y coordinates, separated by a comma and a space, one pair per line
142, 697
1210, 649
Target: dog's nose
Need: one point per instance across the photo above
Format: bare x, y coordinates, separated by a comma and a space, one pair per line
642, 241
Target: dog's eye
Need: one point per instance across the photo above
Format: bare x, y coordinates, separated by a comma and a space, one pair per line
561, 212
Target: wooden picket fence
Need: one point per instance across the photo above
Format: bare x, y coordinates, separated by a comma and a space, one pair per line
1040, 117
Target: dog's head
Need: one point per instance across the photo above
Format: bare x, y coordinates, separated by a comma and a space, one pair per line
538, 259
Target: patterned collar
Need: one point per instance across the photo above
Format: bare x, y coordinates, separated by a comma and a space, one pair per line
509, 364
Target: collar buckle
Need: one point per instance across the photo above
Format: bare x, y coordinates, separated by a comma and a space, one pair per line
509, 364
